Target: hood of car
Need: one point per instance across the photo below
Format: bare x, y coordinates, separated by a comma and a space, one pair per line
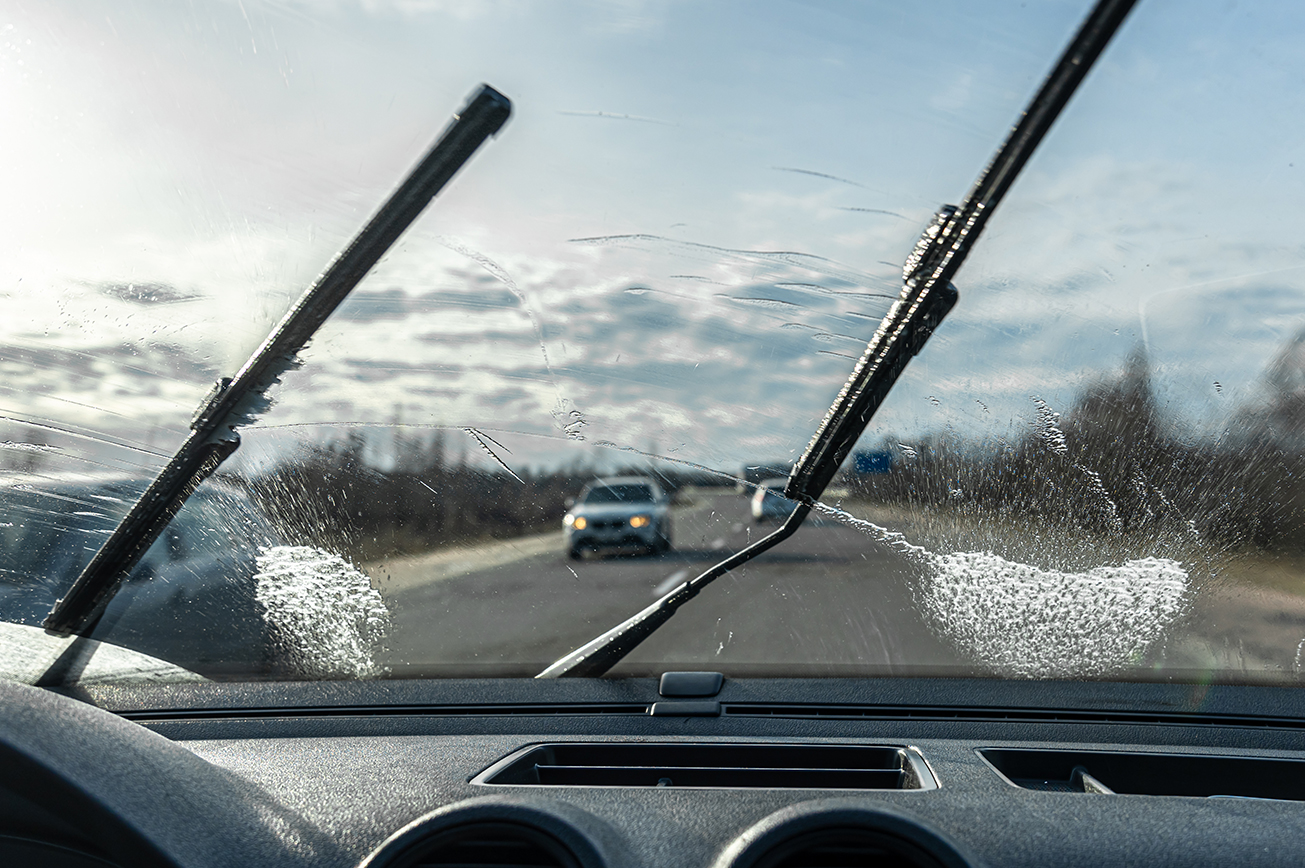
27, 654
615, 510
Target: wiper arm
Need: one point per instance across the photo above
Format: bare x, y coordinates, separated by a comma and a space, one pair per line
927, 295
602, 653
238, 400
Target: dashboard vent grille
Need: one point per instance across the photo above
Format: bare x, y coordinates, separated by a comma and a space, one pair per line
488, 845
1151, 774
675, 764
843, 848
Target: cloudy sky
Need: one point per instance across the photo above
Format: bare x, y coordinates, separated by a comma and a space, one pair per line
680, 241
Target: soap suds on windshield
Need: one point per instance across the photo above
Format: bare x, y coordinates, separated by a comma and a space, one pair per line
1022, 621
328, 619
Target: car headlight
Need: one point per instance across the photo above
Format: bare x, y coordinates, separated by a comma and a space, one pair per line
640, 521
578, 522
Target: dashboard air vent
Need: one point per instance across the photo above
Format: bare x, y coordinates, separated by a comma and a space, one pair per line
675, 764
1150, 774
488, 845
842, 848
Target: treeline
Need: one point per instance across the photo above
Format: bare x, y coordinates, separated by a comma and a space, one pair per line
1111, 464
331, 495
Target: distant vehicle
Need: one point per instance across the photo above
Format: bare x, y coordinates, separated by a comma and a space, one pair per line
769, 502
620, 512
191, 599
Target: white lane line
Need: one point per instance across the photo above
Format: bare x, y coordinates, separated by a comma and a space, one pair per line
394, 575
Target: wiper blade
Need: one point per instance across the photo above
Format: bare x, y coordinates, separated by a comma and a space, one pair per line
238, 400
927, 295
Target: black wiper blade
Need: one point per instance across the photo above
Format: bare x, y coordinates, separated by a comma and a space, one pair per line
238, 400
927, 295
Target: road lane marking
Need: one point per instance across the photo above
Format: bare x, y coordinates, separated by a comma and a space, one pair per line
394, 575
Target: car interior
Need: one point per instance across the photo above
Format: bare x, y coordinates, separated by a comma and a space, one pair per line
1034, 592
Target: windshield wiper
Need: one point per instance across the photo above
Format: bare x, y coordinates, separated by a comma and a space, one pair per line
927, 295
238, 400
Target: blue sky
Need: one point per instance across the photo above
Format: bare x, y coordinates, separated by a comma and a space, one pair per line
754, 175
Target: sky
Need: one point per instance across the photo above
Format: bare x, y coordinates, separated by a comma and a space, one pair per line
680, 241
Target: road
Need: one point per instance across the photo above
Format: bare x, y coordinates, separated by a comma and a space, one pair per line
828, 600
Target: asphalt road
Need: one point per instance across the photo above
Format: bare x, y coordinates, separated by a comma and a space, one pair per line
828, 600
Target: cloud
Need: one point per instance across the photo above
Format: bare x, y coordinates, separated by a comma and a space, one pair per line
683, 290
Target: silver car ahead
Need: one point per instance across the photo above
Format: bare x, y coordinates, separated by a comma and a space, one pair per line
617, 513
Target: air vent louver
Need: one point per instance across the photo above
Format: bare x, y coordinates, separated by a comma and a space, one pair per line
777, 766
488, 845
845, 848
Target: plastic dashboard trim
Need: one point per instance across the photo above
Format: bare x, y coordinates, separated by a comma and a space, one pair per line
348, 777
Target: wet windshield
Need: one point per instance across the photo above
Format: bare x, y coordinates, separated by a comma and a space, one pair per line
664, 267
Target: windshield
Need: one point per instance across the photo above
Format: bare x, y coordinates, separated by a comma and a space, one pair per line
662, 268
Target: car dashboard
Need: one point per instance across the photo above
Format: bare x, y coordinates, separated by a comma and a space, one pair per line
771, 772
